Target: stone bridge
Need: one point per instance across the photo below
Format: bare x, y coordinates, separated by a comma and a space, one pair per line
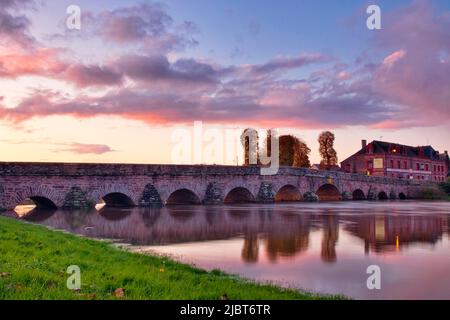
70, 185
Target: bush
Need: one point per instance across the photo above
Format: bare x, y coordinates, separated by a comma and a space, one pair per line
431, 194
445, 186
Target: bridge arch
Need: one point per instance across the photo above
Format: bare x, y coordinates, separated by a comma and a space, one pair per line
402, 196
239, 195
382, 196
112, 195
43, 202
329, 192
118, 200
183, 196
39, 202
42, 196
358, 194
288, 193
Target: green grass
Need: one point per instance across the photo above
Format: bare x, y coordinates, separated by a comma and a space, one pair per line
34, 260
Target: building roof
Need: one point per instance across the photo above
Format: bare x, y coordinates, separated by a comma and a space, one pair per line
382, 147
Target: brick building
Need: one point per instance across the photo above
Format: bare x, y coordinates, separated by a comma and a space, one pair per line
395, 160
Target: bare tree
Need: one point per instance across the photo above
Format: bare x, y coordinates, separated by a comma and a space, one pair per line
326, 149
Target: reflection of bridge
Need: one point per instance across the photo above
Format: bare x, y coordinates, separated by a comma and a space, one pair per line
83, 185
282, 231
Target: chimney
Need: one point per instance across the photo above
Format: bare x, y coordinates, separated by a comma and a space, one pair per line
364, 144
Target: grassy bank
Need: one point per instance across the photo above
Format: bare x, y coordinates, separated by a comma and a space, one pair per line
34, 260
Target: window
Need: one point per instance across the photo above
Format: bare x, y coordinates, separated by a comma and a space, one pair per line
399, 164
434, 167
405, 164
426, 167
392, 163
418, 166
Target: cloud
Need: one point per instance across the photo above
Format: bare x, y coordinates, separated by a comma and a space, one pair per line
414, 74
92, 75
147, 25
287, 63
409, 86
81, 148
42, 61
158, 68
14, 27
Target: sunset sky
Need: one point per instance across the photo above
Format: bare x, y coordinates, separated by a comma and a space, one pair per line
138, 71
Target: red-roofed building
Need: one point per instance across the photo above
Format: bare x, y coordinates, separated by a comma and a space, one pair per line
395, 160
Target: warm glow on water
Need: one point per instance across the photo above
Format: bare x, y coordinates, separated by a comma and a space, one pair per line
323, 247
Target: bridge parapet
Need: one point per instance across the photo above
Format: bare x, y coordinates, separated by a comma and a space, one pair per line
112, 169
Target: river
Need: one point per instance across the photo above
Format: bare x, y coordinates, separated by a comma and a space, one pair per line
324, 247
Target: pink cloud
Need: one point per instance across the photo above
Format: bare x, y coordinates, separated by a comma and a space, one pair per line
42, 61
392, 58
82, 148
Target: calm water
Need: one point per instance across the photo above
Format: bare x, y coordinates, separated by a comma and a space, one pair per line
323, 247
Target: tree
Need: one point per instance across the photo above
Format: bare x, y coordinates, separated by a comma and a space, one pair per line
326, 149
288, 146
302, 155
249, 140
293, 151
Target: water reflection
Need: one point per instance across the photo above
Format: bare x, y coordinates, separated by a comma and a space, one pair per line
330, 238
295, 240
284, 229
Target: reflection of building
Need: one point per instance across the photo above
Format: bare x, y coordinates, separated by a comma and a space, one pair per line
390, 233
398, 161
330, 238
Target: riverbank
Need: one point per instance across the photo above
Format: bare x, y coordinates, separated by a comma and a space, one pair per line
34, 260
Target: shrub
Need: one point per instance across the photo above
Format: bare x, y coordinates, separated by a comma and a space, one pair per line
431, 194
445, 186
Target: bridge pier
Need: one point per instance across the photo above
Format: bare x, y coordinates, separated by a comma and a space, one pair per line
76, 199
372, 194
310, 197
213, 194
347, 196
392, 195
265, 193
150, 198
